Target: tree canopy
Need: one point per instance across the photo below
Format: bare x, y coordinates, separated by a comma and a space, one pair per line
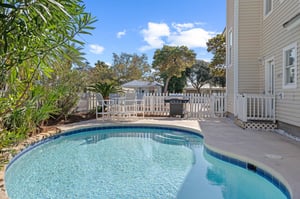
217, 47
128, 67
171, 61
101, 72
177, 84
199, 74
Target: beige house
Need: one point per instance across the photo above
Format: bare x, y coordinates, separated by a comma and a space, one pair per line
263, 56
141, 87
205, 89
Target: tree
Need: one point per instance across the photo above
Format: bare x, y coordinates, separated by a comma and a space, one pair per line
66, 80
128, 67
199, 74
105, 89
34, 36
52, 96
171, 61
217, 47
102, 72
176, 84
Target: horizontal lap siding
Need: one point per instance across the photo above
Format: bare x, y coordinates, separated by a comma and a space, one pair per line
249, 45
275, 37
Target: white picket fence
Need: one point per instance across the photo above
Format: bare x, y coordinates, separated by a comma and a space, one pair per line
198, 105
154, 104
255, 107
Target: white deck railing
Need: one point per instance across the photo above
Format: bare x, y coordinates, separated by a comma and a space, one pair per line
255, 107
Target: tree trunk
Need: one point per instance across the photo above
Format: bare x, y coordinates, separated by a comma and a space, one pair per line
167, 84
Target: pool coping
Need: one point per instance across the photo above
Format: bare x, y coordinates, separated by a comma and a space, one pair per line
183, 125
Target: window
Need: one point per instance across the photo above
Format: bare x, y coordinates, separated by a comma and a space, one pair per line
268, 6
290, 66
229, 47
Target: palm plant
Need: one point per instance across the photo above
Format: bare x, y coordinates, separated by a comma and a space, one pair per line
105, 89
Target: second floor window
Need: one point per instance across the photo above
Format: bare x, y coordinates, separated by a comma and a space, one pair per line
290, 66
268, 6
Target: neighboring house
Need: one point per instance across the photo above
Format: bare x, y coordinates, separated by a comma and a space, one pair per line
263, 56
143, 86
205, 89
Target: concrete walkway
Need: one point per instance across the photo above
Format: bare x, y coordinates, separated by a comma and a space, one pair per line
273, 152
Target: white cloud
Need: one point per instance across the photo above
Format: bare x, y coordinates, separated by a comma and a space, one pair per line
153, 35
182, 26
187, 34
121, 34
96, 49
192, 38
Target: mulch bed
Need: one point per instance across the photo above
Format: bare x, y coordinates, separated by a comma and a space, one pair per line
72, 118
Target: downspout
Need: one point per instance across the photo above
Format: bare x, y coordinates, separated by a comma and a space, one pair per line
235, 54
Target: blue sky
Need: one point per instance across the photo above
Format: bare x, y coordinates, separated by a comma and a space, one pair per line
142, 26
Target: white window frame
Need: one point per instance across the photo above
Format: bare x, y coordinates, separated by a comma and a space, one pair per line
266, 14
287, 85
230, 47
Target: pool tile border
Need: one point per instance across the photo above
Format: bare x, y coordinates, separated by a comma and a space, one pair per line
246, 165
88, 129
147, 126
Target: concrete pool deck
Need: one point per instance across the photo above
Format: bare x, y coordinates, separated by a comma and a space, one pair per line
270, 151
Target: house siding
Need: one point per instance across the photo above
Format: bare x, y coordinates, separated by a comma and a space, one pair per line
275, 37
249, 45
249, 27
259, 39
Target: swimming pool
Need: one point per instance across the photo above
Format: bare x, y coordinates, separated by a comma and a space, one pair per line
134, 161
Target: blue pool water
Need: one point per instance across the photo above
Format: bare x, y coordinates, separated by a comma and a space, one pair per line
130, 162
